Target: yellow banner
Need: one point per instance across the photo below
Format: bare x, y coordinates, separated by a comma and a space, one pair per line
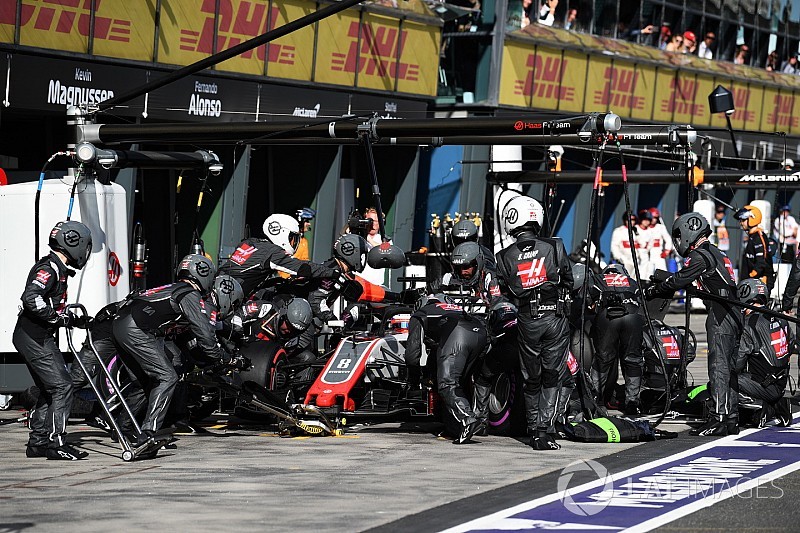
240, 21
337, 49
665, 95
124, 29
794, 126
596, 86
645, 90
55, 26
770, 109
418, 70
573, 81
291, 56
548, 68
8, 21
516, 75
702, 114
187, 31
377, 58
618, 92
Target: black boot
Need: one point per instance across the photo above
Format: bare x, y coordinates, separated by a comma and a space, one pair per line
632, 409
35, 451
783, 412
544, 441
468, 431
64, 452
711, 428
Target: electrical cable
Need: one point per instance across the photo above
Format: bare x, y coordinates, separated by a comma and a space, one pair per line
37, 199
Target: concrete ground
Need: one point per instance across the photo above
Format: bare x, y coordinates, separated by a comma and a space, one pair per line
246, 477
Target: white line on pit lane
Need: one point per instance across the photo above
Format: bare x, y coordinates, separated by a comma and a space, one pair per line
501, 520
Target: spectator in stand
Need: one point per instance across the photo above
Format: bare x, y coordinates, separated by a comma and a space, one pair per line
571, 23
527, 12
547, 12
741, 55
689, 42
790, 66
664, 36
704, 48
784, 230
773, 62
675, 44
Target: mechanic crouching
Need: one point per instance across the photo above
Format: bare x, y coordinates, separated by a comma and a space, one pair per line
146, 317
459, 340
764, 355
617, 334
536, 272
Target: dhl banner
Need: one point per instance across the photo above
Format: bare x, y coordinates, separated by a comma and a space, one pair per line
769, 108
187, 31
664, 99
795, 125
644, 92
337, 50
516, 75
290, 57
779, 114
59, 24
8, 21
573, 81
381, 40
742, 98
418, 41
599, 92
702, 113
547, 69
124, 29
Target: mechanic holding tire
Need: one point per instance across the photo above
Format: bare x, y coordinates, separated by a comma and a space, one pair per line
537, 274
713, 271
43, 303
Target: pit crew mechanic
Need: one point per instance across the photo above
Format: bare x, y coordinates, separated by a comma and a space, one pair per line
256, 260
536, 274
149, 315
705, 264
41, 314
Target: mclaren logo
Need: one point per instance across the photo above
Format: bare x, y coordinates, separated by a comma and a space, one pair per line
791, 178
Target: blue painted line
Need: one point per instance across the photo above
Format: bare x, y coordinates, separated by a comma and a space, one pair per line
656, 493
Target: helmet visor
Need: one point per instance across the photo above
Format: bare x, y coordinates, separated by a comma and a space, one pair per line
294, 239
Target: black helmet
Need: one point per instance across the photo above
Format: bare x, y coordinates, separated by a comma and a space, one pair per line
502, 317
467, 254
578, 275
295, 316
437, 298
352, 250
74, 240
464, 231
197, 268
227, 294
616, 268
687, 230
752, 291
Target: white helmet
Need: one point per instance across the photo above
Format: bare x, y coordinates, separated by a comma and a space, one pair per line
522, 213
283, 230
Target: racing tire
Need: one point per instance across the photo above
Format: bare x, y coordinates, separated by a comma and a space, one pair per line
507, 405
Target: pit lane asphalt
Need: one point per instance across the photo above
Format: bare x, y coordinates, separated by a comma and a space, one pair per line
243, 477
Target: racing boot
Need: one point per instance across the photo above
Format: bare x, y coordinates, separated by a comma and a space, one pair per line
783, 411
542, 440
143, 437
35, 451
713, 427
632, 409
468, 431
59, 450
733, 424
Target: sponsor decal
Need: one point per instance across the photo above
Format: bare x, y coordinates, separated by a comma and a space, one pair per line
65, 16
43, 276
794, 177
532, 274
449, 307
683, 95
671, 348
303, 112
782, 114
729, 267
778, 341
155, 290
616, 280
243, 253
114, 269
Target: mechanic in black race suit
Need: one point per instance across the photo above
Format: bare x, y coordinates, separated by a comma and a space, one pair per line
256, 260
536, 272
151, 314
42, 313
705, 264
617, 333
756, 259
459, 339
473, 278
765, 351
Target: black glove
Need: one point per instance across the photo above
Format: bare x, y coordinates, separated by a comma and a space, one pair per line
240, 362
64, 321
82, 321
653, 291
